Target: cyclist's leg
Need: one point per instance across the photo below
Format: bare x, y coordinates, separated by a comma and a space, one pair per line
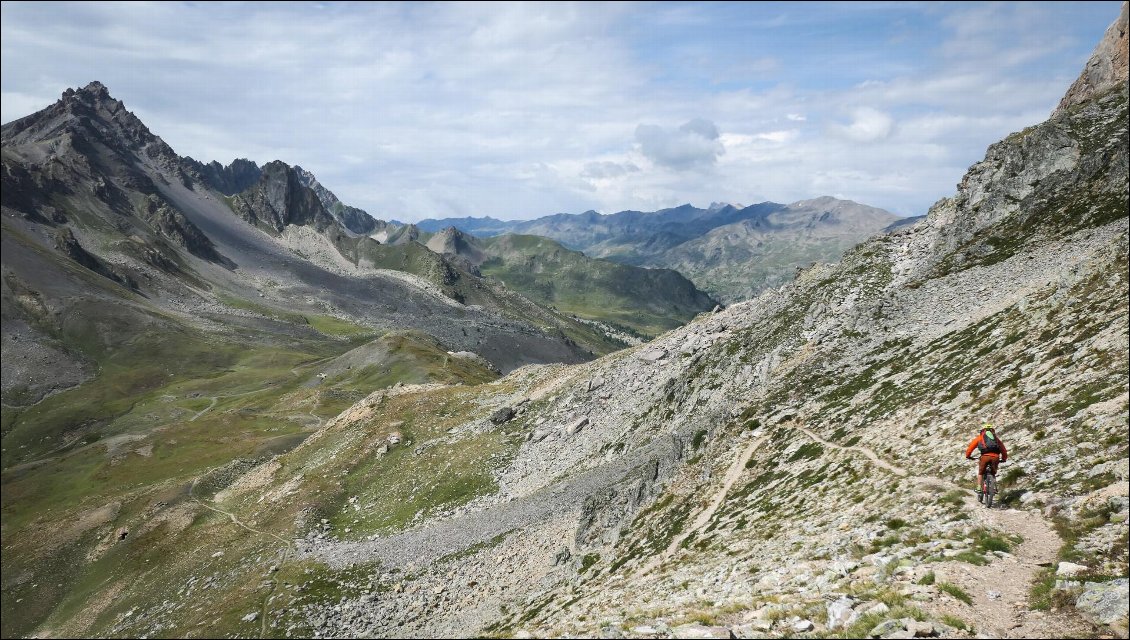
981, 462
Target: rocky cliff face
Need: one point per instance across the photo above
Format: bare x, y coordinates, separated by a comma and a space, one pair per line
352, 218
1108, 66
280, 198
238, 176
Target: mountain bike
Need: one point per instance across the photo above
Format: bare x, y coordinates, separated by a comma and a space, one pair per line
988, 485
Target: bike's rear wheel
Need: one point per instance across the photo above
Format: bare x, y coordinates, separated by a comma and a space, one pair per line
990, 490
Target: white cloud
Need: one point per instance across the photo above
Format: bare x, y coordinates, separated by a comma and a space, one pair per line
780, 136
606, 169
867, 125
693, 145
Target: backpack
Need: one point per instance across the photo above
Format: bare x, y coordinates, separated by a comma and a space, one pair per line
989, 442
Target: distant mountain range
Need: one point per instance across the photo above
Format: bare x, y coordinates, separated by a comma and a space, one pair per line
729, 251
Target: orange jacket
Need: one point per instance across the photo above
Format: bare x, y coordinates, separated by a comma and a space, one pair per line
976, 441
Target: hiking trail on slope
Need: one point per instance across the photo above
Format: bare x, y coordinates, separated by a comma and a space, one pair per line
1000, 590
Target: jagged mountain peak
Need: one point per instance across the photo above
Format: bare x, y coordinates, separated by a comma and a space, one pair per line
358, 221
94, 89
92, 102
279, 198
89, 116
230, 180
327, 197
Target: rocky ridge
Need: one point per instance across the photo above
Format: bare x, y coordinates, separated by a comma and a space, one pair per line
1108, 65
355, 220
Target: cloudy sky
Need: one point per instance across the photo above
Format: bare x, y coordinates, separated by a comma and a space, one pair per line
521, 110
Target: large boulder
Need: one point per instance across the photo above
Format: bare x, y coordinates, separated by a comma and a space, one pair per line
841, 613
502, 416
1105, 602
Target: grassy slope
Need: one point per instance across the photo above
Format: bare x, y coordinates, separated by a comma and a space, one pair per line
415, 258
647, 301
342, 479
165, 407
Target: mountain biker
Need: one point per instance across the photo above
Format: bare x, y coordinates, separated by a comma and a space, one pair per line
993, 452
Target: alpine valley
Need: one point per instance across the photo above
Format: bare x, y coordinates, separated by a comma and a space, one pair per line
234, 406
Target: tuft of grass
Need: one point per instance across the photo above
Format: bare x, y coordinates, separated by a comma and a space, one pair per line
588, 560
955, 591
807, 451
988, 541
956, 623
1012, 475
699, 437
927, 579
864, 624
891, 598
972, 558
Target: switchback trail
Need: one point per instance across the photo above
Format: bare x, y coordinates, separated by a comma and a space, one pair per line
700, 522
265, 608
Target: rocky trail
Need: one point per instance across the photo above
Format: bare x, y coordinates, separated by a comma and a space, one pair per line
1000, 591
264, 614
869, 454
703, 518
214, 400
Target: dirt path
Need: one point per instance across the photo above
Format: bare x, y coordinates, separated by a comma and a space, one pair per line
215, 399
1000, 590
320, 419
235, 519
869, 454
700, 522
266, 610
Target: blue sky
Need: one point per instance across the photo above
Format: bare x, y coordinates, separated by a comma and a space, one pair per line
521, 110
